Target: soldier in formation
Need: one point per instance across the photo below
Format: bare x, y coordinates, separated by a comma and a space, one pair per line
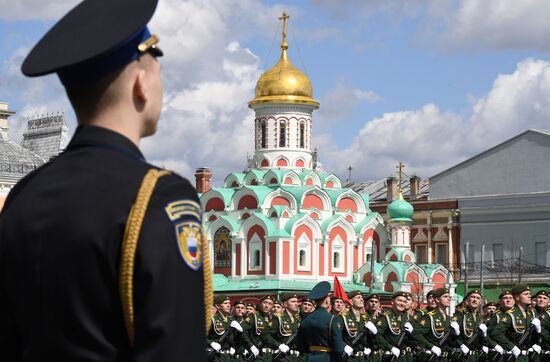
510, 330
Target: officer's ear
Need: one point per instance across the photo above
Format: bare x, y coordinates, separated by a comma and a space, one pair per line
140, 90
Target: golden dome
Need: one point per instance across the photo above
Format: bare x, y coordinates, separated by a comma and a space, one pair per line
284, 83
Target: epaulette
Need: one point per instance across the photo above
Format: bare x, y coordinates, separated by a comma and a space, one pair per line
431, 313
386, 312
422, 310
461, 309
511, 310
497, 311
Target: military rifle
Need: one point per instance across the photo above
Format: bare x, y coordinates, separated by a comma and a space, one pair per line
399, 343
523, 338
292, 337
356, 339
440, 344
220, 341
470, 340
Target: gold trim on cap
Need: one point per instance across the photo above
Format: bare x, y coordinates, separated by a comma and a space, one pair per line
152, 40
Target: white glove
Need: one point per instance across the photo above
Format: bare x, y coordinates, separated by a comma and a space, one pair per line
536, 322
348, 350
395, 351
464, 349
436, 350
485, 349
254, 351
499, 349
516, 351
455, 327
367, 351
216, 346
237, 326
232, 351
284, 348
371, 327
483, 329
408, 327
536, 348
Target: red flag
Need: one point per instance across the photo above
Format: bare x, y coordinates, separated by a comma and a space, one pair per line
339, 291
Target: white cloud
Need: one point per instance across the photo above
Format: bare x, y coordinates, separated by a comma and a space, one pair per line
35, 9
499, 24
429, 140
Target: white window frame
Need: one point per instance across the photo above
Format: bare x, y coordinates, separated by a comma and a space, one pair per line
338, 247
368, 250
255, 244
304, 244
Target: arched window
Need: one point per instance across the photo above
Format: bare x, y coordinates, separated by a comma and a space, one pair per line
282, 134
302, 135
304, 253
256, 263
263, 135
255, 253
222, 248
338, 255
336, 260
302, 261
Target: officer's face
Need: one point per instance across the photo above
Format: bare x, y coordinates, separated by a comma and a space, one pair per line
474, 300
250, 309
373, 304
542, 301
399, 303
444, 301
507, 301
225, 307
277, 309
490, 310
291, 305
358, 301
431, 301
307, 307
408, 303
338, 305
267, 304
524, 298
239, 310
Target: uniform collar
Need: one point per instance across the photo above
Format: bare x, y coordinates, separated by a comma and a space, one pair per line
88, 135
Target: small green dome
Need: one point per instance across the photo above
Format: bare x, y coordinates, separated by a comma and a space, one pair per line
400, 210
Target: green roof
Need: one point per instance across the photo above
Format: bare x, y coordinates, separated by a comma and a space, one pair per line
304, 173
328, 221
238, 175
222, 284
290, 223
278, 209
365, 221
277, 173
323, 176
365, 198
261, 192
297, 191
259, 174
227, 194
334, 194
235, 224
400, 210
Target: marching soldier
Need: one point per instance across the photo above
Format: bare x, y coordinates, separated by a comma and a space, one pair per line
392, 326
282, 327
434, 327
373, 307
239, 310
251, 308
472, 328
338, 306
277, 307
320, 334
239, 314
488, 311
253, 327
219, 337
541, 299
515, 323
506, 302
307, 307
355, 327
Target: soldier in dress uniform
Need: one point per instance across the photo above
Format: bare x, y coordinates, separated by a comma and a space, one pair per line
373, 309
282, 326
488, 311
506, 302
472, 328
307, 307
545, 335
430, 305
239, 310
277, 307
392, 328
220, 337
239, 314
513, 324
253, 327
541, 299
85, 272
433, 326
251, 308
338, 306
355, 329
320, 334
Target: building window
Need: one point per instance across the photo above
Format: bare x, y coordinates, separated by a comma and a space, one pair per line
421, 251
498, 254
540, 253
304, 253
338, 255
222, 248
302, 135
368, 250
282, 134
255, 253
263, 135
441, 255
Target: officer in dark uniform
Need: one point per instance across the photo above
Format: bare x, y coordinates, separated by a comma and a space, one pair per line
320, 333
75, 283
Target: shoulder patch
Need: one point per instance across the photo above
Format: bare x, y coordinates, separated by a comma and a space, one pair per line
190, 238
431, 312
185, 209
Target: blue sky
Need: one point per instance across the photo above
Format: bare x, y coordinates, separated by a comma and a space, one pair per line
429, 83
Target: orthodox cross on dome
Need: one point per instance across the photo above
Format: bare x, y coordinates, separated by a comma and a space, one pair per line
400, 166
285, 16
